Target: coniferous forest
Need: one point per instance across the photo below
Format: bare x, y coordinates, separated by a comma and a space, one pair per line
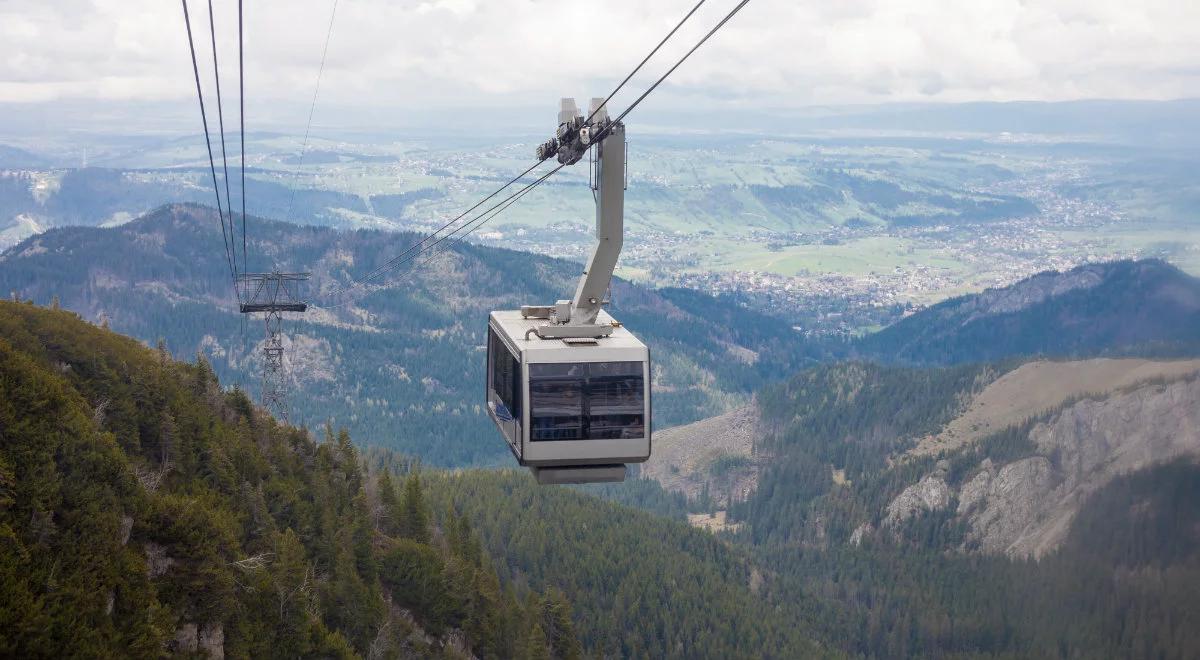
145, 508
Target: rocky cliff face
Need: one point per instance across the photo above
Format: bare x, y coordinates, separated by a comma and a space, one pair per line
1024, 508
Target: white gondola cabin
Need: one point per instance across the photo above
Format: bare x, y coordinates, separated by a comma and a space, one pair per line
567, 385
574, 410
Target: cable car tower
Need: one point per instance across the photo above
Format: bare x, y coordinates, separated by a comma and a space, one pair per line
568, 386
272, 294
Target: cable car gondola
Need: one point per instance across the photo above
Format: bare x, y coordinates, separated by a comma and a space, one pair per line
567, 385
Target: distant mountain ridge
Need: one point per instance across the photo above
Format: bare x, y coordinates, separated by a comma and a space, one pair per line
402, 365
1145, 306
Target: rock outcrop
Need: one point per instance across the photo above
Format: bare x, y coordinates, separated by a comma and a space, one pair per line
1024, 507
930, 494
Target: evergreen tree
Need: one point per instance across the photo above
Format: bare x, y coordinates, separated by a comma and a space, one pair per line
536, 646
413, 520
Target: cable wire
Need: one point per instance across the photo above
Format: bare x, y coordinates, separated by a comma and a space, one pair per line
211, 163
312, 108
419, 245
683, 59
242, 120
706, 37
510, 202
396, 263
410, 255
212, 30
644, 60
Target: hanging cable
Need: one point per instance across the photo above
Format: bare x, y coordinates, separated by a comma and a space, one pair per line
683, 59
211, 163
396, 263
498, 208
643, 62
419, 245
312, 108
416, 250
710, 33
242, 121
221, 125
487, 218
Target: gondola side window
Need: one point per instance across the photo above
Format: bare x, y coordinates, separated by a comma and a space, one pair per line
504, 377
587, 401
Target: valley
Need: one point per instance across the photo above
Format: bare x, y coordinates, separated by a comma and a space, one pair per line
838, 232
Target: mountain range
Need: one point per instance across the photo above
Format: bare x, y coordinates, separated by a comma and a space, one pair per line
1006, 474
397, 362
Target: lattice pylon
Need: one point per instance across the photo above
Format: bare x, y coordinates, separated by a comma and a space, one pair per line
270, 294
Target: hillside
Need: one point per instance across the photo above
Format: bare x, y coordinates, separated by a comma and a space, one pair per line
167, 513
1122, 307
402, 366
642, 586
1036, 388
914, 553
145, 510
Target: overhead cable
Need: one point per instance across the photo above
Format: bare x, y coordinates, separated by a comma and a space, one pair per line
419, 248
313, 107
212, 30
643, 62
420, 245
242, 120
211, 163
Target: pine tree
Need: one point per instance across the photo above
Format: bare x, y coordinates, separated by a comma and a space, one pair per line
536, 646
389, 506
413, 522
556, 619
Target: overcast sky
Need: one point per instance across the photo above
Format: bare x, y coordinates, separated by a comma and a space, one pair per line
405, 54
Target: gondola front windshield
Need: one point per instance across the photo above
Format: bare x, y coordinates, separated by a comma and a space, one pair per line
587, 401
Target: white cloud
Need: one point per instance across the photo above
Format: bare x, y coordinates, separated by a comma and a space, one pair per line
781, 53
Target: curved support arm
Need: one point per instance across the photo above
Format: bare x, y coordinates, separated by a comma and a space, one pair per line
610, 228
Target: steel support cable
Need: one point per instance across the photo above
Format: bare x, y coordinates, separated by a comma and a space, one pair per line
211, 163
486, 218
242, 121
644, 60
419, 245
397, 262
683, 59
501, 205
710, 33
520, 192
212, 30
312, 108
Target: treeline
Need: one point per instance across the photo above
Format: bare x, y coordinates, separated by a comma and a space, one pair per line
850, 417
145, 510
1121, 586
641, 586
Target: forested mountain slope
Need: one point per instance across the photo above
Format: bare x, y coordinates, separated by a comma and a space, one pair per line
144, 510
916, 552
1121, 307
642, 586
402, 365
